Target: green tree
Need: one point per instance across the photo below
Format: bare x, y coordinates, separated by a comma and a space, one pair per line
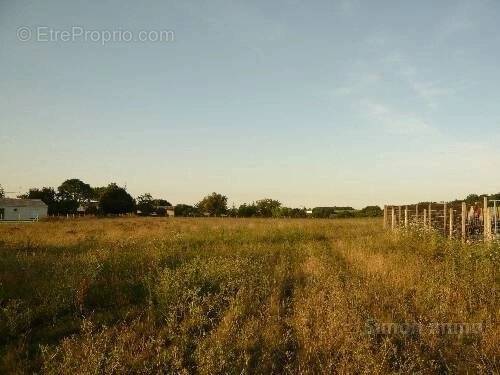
161, 202
64, 207
185, 210
75, 190
472, 199
145, 204
344, 214
370, 211
71, 194
323, 212
214, 204
116, 200
266, 207
247, 210
297, 213
2, 192
97, 192
282, 212
288, 212
233, 211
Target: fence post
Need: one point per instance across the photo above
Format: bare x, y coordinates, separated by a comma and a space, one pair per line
399, 216
486, 221
451, 222
393, 215
406, 216
425, 218
445, 219
430, 215
385, 216
464, 215
416, 213
495, 212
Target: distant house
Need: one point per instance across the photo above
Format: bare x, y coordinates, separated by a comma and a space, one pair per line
22, 209
91, 205
169, 210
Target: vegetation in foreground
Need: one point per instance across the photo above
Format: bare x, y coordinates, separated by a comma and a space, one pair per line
241, 296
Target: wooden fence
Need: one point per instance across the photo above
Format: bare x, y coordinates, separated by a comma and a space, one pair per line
470, 222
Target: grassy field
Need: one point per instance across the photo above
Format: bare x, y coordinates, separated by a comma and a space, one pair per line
242, 296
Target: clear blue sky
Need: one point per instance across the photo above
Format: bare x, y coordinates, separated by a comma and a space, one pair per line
313, 103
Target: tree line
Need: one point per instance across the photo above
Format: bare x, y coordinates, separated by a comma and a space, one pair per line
75, 196
215, 204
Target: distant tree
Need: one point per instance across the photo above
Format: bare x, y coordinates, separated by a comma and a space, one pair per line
370, 211
472, 199
425, 204
323, 212
297, 213
46, 194
344, 208
214, 204
97, 192
233, 211
288, 212
247, 210
145, 204
116, 200
161, 202
71, 194
282, 212
266, 207
345, 214
75, 190
2, 192
185, 210
65, 207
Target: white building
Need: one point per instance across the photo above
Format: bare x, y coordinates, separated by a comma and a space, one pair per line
169, 210
22, 209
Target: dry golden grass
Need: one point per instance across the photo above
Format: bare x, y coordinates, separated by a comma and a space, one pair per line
157, 295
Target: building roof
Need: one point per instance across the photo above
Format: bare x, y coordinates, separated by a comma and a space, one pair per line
11, 202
